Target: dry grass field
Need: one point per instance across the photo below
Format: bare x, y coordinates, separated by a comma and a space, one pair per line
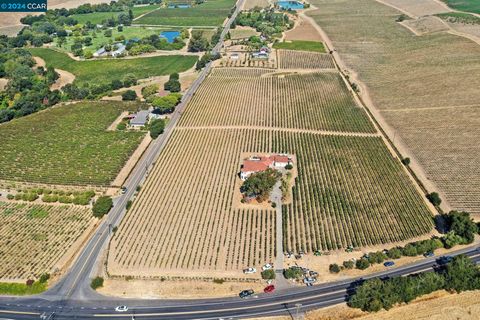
418, 8
416, 74
349, 190
30, 245
426, 25
313, 101
291, 59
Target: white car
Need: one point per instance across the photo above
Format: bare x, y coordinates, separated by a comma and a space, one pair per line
268, 266
249, 270
121, 309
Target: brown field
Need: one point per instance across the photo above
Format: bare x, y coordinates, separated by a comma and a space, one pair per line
313, 101
439, 305
292, 59
186, 213
29, 244
418, 8
426, 25
418, 75
250, 4
303, 31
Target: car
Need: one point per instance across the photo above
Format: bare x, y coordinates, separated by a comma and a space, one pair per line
444, 260
121, 309
428, 254
389, 264
268, 266
249, 270
246, 293
313, 274
269, 289
308, 280
123, 190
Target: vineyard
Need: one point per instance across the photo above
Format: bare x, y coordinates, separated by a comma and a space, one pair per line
313, 101
433, 91
67, 145
183, 217
291, 59
349, 192
29, 245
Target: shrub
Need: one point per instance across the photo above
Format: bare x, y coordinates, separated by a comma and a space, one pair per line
293, 273
268, 274
289, 167
362, 264
434, 198
30, 282
461, 223
44, 277
406, 161
10, 196
394, 253
218, 281
129, 95
129, 204
102, 206
96, 283
409, 250
348, 264
376, 257
334, 268
274, 204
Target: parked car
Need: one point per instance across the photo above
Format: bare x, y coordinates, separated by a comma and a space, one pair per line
428, 254
123, 190
121, 309
307, 280
389, 264
313, 274
246, 293
268, 266
269, 289
249, 270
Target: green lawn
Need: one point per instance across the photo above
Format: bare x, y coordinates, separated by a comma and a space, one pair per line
464, 5
210, 13
103, 71
301, 45
98, 17
68, 145
99, 40
21, 289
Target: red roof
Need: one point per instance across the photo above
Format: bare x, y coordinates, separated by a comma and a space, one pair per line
256, 165
280, 159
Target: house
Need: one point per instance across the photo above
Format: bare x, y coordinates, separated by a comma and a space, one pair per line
120, 49
100, 52
263, 53
257, 164
156, 114
140, 119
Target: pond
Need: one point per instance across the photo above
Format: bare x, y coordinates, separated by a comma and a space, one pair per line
292, 5
179, 6
170, 35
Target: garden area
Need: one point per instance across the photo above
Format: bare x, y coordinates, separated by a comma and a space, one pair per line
300, 45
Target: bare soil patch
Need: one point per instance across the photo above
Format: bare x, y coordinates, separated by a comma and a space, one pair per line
416, 8
64, 78
150, 289
303, 30
425, 25
250, 4
3, 83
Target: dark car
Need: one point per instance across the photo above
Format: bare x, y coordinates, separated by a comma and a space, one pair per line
444, 260
245, 293
429, 254
389, 264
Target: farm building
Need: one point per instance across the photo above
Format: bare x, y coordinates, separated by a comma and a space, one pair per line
140, 119
263, 53
261, 163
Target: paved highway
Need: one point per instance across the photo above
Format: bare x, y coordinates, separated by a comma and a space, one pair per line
72, 297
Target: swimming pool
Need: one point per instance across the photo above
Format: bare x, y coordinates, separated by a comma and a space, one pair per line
293, 5
180, 6
170, 35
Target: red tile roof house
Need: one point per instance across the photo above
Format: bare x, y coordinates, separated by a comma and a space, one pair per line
258, 164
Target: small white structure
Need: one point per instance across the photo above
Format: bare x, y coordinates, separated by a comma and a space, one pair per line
156, 114
140, 119
119, 51
234, 56
100, 52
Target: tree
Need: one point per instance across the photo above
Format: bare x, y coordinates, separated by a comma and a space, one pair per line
334, 268
108, 33
96, 283
129, 95
348, 264
394, 253
197, 42
44, 277
434, 198
463, 226
293, 273
102, 206
462, 274
268, 274
451, 239
406, 161
156, 128
260, 184
362, 264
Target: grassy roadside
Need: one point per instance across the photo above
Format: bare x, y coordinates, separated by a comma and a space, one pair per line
21, 289
301, 45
